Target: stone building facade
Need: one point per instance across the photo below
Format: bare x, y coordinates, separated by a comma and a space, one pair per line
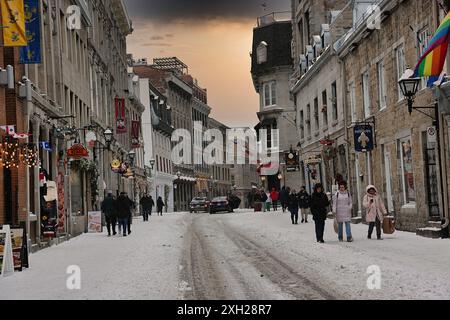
271, 71
73, 92
402, 165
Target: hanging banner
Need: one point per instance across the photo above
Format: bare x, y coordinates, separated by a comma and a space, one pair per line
292, 161
13, 21
31, 54
364, 139
135, 134
120, 116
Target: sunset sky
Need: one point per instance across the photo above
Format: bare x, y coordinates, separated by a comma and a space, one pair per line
214, 38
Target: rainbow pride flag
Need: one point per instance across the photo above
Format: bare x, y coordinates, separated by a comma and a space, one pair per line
432, 61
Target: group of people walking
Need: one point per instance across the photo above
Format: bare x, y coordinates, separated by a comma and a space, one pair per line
118, 211
318, 204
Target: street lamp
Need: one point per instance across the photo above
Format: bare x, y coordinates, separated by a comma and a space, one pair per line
152, 163
178, 191
108, 134
132, 157
409, 87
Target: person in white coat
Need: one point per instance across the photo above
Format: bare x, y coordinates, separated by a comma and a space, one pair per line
375, 211
342, 209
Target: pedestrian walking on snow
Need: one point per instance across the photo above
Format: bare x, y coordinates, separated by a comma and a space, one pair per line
147, 205
375, 210
319, 210
108, 208
342, 210
304, 202
160, 205
124, 206
284, 198
275, 196
293, 206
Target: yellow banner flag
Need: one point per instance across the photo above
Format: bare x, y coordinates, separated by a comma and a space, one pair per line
13, 22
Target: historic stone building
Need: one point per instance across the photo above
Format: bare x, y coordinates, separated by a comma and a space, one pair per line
373, 58
317, 90
272, 64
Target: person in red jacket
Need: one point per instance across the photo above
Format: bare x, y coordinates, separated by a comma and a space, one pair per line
275, 196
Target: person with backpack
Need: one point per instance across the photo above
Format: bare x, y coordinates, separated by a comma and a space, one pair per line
304, 203
319, 209
342, 210
108, 208
293, 206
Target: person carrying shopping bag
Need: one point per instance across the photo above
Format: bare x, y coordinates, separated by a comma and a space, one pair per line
342, 210
375, 211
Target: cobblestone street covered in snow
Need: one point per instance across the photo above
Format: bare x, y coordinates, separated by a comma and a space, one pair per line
244, 255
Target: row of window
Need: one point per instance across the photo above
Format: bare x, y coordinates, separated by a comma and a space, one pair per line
319, 110
163, 165
382, 85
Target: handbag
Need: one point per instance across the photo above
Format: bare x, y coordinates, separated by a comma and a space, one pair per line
389, 225
336, 226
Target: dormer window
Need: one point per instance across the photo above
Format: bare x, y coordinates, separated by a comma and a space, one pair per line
262, 52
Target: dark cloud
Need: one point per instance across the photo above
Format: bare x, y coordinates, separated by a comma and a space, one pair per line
163, 11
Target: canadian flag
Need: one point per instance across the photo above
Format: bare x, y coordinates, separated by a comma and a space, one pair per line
10, 130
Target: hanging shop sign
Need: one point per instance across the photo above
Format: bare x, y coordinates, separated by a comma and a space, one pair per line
292, 161
135, 134
77, 152
364, 138
121, 125
91, 138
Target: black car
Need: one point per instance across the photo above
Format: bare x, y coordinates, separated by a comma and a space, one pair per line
199, 204
220, 204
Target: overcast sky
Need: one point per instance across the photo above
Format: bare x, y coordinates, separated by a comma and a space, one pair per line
214, 38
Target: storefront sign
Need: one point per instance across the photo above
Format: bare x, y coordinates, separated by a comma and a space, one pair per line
77, 152
95, 222
364, 138
292, 161
6, 256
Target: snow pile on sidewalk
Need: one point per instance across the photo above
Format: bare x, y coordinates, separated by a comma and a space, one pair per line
143, 265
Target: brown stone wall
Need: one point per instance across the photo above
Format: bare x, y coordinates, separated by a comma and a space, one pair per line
394, 122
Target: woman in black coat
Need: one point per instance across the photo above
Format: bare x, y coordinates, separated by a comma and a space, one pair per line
319, 209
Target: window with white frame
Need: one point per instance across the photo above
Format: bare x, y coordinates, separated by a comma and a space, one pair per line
366, 94
401, 67
352, 99
404, 156
261, 52
270, 94
423, 38
308, 120
302, 125
382, 91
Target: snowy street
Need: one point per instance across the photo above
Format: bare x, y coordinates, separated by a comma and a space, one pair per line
244, 255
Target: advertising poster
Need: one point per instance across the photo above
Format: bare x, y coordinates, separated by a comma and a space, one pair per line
2, 249
17, 247
95, 222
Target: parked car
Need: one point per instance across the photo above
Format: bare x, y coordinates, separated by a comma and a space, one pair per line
199, 204
220, 204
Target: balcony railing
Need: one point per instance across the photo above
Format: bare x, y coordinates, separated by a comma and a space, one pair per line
274, 17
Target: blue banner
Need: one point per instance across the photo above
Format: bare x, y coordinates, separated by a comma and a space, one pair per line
31, 54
